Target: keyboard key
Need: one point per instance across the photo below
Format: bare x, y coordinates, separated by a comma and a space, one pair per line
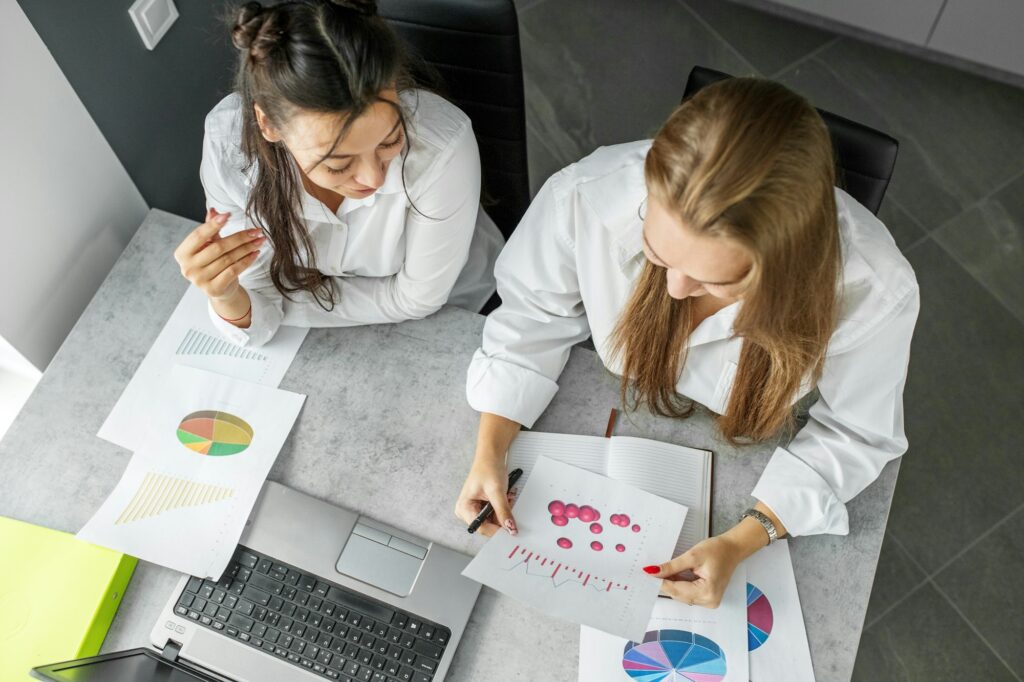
231, 601
194, 615
298, 646
325, 641
217, 625
428, 649
325, 656
264, 566
240, 621
211, 609
400, 620
427, 632
260, 613
381, 630
328, 626
233, 631
205, 620
408, 658
351, 600
264, 583
289, 592
259, 630
351, 669
236, 587
275, 603
302, 598
392, 668
442, 636
312, 650
245, 606
272, 635
206, 591
186, 599
420, 677
244, 636
278, 651
223, 614
248, 560
286, 641
277, 575
307, 583
288, 610
218, 596
407, 640
293, 577
405, 674
244, 574
256, 595
193, 585
332, 674
314, 603
414, 626
181, 610
426, 665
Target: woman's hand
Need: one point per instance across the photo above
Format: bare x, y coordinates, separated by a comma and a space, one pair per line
487, 482
699, 577
213, 263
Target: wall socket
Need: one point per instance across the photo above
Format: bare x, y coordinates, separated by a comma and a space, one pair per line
152, 19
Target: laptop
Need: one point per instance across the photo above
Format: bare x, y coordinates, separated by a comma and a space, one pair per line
313, 592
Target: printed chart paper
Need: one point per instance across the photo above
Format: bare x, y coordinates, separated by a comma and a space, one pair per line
189, 338
775, 624
582, 544
184, 498
681, 644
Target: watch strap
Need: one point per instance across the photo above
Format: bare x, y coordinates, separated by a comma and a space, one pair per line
763, 519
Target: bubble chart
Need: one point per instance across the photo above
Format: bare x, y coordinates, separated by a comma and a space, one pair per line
596, 546
572, 511
556, 507
636, 528
564, 543
620, 548
559, 520
595, 528
588, 514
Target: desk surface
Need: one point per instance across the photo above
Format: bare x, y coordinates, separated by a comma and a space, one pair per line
386, 417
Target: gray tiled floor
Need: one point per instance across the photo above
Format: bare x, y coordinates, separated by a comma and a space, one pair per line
948, 590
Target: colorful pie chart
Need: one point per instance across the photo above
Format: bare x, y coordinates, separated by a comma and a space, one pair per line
674, 656
759, 617
214, 433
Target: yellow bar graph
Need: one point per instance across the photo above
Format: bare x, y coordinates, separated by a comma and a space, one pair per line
159, 493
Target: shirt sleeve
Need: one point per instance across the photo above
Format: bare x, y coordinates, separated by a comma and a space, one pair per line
438, 231
854, 429
527, 340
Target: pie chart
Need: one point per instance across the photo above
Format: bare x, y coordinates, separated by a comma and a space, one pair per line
674, 656
213, 433
759, 617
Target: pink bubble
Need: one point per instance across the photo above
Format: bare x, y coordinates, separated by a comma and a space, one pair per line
559, 520
564, 543
596, 546
587, 514
636, 528
620, 548
623, 520
614, 519
596, 528
556, 507
572, 511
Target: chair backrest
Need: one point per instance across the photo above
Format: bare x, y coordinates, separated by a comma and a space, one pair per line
474, 47
864, 156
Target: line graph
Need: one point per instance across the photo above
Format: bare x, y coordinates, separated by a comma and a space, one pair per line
559, 573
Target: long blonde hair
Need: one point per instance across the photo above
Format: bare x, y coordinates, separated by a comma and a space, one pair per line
748, 160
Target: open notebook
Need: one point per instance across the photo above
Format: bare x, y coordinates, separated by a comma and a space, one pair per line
674, 472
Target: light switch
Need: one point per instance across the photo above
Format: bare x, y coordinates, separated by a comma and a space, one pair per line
152, 19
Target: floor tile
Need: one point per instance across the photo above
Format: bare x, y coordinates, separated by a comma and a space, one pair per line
770, 43
895, 576
987, 585
924, 639
960, 135
962, 403
988, 240
600, 73
902, 226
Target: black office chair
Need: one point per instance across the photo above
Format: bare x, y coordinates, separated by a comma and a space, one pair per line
864, 156
474, 47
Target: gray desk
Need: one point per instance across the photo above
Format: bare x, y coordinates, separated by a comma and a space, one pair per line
386, 430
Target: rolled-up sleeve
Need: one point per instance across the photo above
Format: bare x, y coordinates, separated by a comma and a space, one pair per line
527, 340
854, 429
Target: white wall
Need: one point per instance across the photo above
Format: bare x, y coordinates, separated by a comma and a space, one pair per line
67, 206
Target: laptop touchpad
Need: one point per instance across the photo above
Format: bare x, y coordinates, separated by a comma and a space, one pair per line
380, 559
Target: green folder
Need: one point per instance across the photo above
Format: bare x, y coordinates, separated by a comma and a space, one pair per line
58, 596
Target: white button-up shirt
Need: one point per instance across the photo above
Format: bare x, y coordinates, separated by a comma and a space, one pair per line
390, 261
568, 272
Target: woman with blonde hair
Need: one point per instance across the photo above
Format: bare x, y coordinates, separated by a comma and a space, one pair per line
717, 264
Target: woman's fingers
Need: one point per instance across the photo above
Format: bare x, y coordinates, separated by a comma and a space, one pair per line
230, 257
216, 249
502, 510
220, 284
694, 593
468, 508
685, 563
206, 232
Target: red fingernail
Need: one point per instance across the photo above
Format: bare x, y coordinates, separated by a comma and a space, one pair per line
651, 570
510, 526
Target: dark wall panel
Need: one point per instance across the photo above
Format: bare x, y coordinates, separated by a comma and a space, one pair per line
149, 105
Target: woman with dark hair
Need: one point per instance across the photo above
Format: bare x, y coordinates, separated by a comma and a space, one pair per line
338, 194
718, 264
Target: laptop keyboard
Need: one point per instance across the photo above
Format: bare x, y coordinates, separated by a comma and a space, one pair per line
322, 627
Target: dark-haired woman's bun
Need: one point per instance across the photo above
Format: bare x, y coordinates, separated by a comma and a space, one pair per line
365, 7
257, 29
